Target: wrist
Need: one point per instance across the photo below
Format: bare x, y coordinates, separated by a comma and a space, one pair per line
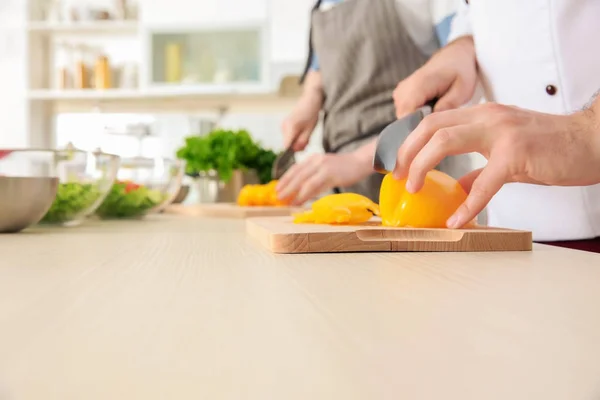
363, 157
584, 131
312, 97
462, 48
310, 104
594, 131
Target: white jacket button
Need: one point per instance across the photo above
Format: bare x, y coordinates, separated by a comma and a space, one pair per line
551, 90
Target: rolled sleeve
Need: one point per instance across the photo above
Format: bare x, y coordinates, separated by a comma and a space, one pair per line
461, 23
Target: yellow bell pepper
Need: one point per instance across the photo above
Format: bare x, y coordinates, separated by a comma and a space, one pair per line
430, 207
341, 208
260, 195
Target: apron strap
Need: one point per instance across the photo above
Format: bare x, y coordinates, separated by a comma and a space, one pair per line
310, 46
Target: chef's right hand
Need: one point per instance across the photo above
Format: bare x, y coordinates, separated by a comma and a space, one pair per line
450, 75
301, 121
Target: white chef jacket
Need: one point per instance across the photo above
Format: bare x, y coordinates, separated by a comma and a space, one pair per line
540, 55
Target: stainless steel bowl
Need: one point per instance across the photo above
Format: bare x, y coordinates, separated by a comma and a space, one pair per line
24, 201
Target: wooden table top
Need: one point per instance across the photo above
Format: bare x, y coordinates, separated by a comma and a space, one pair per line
175, 308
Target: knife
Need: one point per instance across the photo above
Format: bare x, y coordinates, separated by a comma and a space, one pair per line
284, 161
392, 136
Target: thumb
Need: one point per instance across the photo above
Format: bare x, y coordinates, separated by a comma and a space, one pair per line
414, 91
487, 183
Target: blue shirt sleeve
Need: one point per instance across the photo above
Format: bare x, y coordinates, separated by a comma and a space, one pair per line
314, 62
442, 29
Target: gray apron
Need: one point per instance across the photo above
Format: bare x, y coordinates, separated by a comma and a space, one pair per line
363, 51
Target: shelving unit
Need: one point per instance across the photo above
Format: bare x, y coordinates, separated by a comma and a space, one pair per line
246, 81
158, 101
91, 28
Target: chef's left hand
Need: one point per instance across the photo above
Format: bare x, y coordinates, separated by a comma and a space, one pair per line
520, 146
321, 172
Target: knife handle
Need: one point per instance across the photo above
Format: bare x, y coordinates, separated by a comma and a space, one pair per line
431, 103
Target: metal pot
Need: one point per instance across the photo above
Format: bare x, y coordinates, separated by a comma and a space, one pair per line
210, 189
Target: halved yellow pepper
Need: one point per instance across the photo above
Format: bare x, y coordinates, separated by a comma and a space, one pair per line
341, 209
430, 207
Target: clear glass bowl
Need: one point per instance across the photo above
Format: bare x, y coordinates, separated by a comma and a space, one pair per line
144, 186
81, 179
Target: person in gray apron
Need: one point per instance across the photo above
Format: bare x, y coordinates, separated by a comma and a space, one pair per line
363, 50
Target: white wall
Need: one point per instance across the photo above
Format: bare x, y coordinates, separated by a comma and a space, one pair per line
290, 22
12, 74
171, 130
202, 11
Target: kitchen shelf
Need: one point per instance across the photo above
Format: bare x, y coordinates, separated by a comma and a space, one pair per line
83, 94
162, 100
155, 92
96, 28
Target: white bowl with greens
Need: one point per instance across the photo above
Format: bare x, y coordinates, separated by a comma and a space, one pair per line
85, 179
143, 186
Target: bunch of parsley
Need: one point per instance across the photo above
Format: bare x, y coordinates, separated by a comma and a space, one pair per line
226, 151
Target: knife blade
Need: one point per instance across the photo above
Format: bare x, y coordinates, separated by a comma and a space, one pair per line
284, 161
392, 136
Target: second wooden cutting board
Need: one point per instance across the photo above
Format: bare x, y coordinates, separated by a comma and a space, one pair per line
229, 210
281, 235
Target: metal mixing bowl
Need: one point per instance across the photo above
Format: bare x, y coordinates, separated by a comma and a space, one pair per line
28, 186
24, 201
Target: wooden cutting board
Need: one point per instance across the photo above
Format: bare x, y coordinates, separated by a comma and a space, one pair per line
229, 210
281, 235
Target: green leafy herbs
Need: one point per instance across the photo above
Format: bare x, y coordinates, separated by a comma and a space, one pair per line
263, 165
226, 151
128, 200
72, 201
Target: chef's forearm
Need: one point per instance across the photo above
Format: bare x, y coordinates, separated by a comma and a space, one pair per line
312, 91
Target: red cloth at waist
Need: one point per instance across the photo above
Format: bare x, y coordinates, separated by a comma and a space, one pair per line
591, 245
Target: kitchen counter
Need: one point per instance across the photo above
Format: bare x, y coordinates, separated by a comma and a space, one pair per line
174, 308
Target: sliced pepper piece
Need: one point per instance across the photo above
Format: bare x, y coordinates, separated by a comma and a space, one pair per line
339, 209
260, 195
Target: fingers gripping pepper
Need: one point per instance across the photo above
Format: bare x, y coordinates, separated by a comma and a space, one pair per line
430, 207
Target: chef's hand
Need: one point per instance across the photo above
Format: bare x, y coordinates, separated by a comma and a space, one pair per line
450, 75
303, 119
322, 172
520, 146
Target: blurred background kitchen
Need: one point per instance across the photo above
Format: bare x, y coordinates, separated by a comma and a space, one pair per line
134, 77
